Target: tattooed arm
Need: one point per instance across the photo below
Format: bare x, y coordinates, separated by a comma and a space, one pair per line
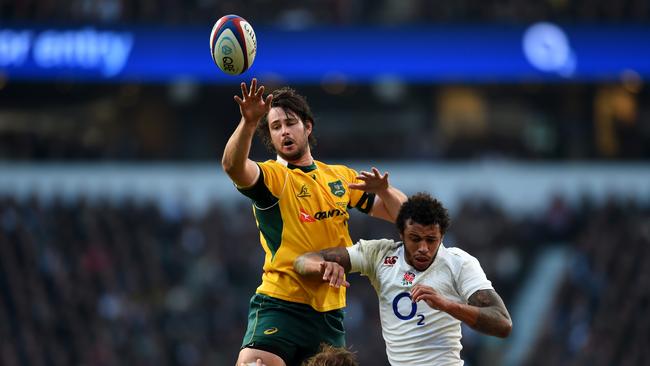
485, 311
493, 317
331, 263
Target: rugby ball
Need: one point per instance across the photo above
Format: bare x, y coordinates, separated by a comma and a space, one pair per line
233, 44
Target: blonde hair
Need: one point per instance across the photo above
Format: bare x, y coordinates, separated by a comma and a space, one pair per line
332, 356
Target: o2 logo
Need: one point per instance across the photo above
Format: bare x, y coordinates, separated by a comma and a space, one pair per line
412, 313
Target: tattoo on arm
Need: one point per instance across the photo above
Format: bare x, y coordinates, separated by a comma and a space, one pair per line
493, 317
339, 255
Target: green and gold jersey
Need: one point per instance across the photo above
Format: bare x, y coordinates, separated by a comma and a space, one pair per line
299, 210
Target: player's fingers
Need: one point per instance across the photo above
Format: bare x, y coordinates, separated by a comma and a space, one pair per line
356, 186
340, 278
420, 290
238, 100
419, 295
331, 277
375, 171
268, 101
257, 363
416, 292
253, 87
259, 92
328, 272
346, 283
335, 280
323, 268
244, 89
323, 265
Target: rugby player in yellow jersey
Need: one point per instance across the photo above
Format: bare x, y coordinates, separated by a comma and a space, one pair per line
300, 205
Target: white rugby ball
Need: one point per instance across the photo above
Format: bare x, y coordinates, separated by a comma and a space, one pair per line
233, 44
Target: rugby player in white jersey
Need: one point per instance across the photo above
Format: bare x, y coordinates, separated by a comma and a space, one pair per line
425, 289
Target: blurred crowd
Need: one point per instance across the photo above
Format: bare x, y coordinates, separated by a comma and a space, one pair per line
295, 14
97, 283
602, 314
136, 122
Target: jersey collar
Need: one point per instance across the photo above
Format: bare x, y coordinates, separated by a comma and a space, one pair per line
305, 169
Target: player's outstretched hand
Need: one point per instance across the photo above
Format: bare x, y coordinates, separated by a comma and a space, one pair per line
334, 273
430, 296
252, 104
373, 182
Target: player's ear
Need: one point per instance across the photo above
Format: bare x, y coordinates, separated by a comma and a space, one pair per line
308, 126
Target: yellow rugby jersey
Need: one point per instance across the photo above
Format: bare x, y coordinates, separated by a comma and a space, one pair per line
299, 210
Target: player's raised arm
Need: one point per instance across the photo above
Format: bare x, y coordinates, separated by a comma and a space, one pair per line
331, 264
235, 161
485, 312
389, 199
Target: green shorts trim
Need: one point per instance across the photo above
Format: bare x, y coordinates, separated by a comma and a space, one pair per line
291, 330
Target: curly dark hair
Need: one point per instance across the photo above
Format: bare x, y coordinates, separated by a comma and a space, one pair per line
289, 100
424, 210
332, 356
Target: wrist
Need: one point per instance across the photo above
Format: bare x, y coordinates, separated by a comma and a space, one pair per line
250, 122
448, 306
382, 192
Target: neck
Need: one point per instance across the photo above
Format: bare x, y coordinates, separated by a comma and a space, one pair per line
305, 160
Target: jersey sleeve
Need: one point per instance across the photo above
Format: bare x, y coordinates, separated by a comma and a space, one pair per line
471, 277
360, 200
365, 254
268, 187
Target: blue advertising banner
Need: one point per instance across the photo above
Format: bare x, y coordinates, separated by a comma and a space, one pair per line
432, 54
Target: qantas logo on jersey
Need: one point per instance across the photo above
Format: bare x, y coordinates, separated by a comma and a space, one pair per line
390, 261
305, 217
320, 215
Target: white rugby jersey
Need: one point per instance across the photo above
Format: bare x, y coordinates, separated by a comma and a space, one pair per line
416, 334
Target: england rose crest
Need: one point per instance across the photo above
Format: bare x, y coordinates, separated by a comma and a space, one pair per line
408, 278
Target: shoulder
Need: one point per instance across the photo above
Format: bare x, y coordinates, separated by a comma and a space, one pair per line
338, 168
463, 265
273, 168
376, 247
456, 258
456, 253
271, 164
367, 255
